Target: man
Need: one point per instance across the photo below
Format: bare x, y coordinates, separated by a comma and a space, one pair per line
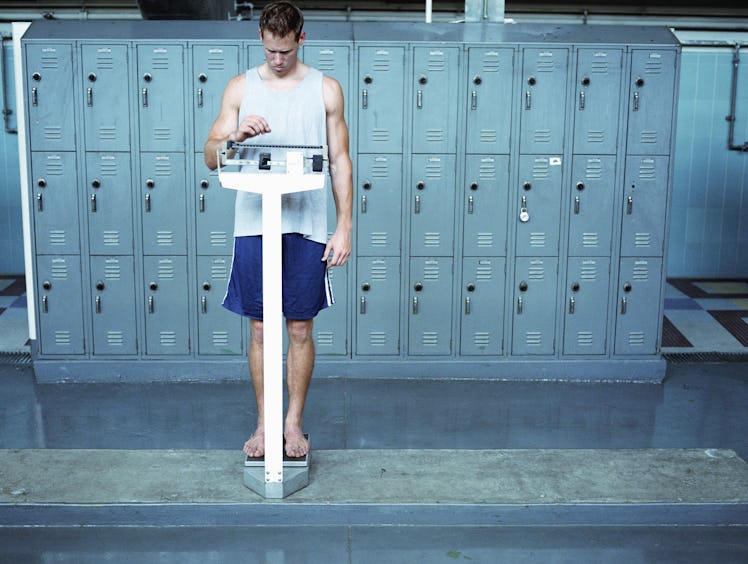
284, 101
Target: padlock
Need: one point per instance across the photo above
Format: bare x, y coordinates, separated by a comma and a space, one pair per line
524, 217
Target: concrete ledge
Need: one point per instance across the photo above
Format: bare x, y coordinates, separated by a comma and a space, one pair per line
371, 487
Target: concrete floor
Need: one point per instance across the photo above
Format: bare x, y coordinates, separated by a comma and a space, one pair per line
589, 511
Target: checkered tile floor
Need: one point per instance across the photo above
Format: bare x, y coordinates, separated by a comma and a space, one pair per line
700, 316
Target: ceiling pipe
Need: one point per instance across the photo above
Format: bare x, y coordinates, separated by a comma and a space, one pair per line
484, 10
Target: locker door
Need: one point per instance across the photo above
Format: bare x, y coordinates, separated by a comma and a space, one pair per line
535, 281
255, 55
644, 204
538, 201
489, 95
482, 325
164, 203
212, 67
598, 87
587, 280
219, 330
109, 197
435, 99
50, 104
430, 327
60, 306
161, 97
166, 304
331, 324
651, 88
638, 312
593, 181
432, 205
543, 113
378, 296
214, 210
56, 203
380, 99
379, 198
106, 115
486, 198
334, 61
113, 299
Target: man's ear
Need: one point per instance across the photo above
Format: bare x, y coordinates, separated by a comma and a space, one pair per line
302, 38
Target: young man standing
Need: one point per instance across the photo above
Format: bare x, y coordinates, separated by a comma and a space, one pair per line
285, 102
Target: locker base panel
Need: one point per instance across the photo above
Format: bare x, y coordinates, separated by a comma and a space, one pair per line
72, 487
201, 370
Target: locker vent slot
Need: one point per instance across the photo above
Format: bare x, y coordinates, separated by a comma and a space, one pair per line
643, 240
538, 239
541, 136
160, 59
434, 135
216, 61
599, 65
164, 238
59, 269
641, 271
52, 132
115, 338
219, 271
648, 137
218, 238
378, 239
112, 270
546, 63
485, 240
594, 170
325, 338
430, 338
636, 338
585, 339
379, 270
533, 338
377, 338
491, 62
57, 237
647, 169
166, 270
168, 338
50, 59
326, 60
54, 166
484, 272
63, 338
380, 168
653, 65
432, 239
536, 272
437, 62
104, 60
111, 238
431, 271
588, 272
488, 135
220, 338
487, 170
434, 168
163, 166
162, 133
380, 135
481, 339
590, 240
541, 168
382, 61
107, 133
595, 136
109, 166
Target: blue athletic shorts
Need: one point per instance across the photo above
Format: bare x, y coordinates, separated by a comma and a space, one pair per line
306, 288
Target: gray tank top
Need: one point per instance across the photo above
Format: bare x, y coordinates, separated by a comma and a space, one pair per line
296, 117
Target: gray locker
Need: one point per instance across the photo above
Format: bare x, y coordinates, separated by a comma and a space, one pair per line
106, 89
378, 307
60, 305
534, 323
593, 188
651, 102
55, 187
333, 60
489, 95
212, 67
167, 324
435, 87
379, 199
219, 330
644, 206
380, 99
255, 55
430, 307
109, 203
331, 324
214, 212
586, 319
537, 216
543, 115
482, 322
163, 202
161, 97
432, 205
598, 87
112, 300
638, 311
49, 84
486, 199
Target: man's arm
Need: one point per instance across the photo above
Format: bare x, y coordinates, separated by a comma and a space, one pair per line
225, 127
341, 173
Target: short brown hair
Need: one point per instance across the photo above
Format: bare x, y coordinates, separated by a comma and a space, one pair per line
281, 18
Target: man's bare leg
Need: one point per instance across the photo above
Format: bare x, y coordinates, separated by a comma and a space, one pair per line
255, 446
299, 367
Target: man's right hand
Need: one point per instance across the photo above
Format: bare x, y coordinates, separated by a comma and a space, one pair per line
250, 126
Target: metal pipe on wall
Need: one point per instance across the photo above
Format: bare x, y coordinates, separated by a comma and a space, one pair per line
484, 10
733, 103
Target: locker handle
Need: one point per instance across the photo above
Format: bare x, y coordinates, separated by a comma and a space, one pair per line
39, 203
623, 306
34, 96
474, 100
204, 302
202, 203
89, 96
576, 205
520, 305
581, 100
45, 304
93, 203
471, 204
363, 203
363, 305
147, 203
364, 99
417, 208
572, 303
636, 101
629, 205
467, 305
98, 304
415, 305
528, 100
419, 99
151, 307
145, 97
199, 97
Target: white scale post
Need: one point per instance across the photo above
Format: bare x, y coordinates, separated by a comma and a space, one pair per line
302, 168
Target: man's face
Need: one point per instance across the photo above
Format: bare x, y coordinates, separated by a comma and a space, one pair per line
281, 52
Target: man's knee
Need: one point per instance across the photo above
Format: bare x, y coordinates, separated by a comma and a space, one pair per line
256, 331
299, 331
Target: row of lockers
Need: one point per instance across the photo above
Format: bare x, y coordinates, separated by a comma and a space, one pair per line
167, 205
483, 92
437, 320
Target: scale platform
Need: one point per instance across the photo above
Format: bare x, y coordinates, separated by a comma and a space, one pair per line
288, 462
295, 476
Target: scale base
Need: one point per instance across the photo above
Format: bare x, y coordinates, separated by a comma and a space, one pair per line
295, 475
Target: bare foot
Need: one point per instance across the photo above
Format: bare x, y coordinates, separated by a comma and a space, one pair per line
255, 446
296, 444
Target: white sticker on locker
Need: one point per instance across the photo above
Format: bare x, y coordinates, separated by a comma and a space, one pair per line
554, 161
